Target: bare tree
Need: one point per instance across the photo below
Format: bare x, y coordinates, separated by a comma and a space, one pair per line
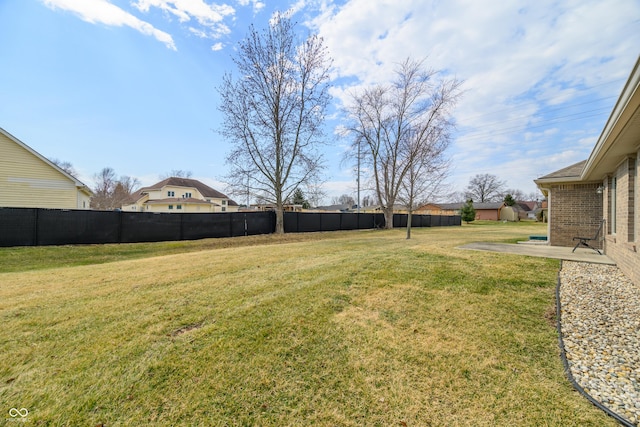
422, 182
456, 197
516, 194
65, 166
428, 166
344, 199
105, 183
404, 128
123, 189
521, 196
315, 192
367, 201
176, 173
273, 113
111, 192
485, 188
129, 184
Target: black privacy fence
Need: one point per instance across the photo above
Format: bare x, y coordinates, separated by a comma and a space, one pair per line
36, 227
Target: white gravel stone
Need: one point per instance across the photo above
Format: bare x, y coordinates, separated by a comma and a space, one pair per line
600, 323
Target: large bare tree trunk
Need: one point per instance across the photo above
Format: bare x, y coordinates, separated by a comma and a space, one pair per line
279, 221
388, 218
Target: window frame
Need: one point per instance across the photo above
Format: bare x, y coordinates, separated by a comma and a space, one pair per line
613, 201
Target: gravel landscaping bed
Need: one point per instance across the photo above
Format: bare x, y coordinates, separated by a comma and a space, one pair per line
600, 324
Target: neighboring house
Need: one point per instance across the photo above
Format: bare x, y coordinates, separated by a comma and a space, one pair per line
445, 209
605, 186
484, 211
527, 210
374, 209
266, 207
489, 211
30, 180
399, 209
179, 195
337, 208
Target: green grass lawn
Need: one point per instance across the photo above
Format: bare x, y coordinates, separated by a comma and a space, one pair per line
350, 328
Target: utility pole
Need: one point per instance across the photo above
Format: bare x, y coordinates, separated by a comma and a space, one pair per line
358, 178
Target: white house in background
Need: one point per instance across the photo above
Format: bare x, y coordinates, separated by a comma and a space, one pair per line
30, 180
179, 195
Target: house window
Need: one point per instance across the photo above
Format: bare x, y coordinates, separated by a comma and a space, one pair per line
224, 209
187, 195
612, 215
224, 202
179, 207
171, 193
170, 207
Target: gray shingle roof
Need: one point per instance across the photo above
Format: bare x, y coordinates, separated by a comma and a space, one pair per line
573, 171
204, 189
457, 206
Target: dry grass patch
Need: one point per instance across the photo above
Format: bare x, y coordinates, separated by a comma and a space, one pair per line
362, 328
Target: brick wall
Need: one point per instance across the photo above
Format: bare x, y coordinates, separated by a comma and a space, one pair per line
622, 245
575, 210
487, 214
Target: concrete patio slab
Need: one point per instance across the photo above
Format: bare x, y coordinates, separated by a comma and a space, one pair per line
543, 251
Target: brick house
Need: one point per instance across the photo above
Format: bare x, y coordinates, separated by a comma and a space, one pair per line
484, 211
439, 209
605, 186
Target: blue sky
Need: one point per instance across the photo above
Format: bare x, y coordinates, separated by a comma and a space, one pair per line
131, 84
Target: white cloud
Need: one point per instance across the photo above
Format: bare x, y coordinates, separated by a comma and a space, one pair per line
101, 11
256, 4
216, 47
335, 188
296, 7
210, 16
523, 63
198, 32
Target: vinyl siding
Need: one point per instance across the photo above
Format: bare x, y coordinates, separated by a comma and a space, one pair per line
179, 192
186, 208
27, 181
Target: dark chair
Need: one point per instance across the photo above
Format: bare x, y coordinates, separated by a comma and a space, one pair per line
583, 240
